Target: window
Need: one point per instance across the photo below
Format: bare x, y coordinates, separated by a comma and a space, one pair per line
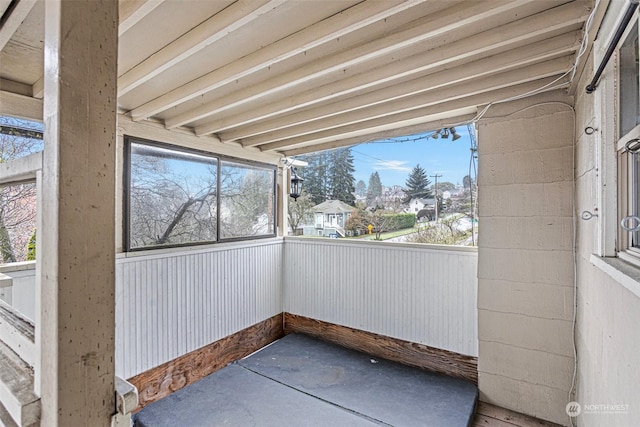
629, 131
246, 200
177, 197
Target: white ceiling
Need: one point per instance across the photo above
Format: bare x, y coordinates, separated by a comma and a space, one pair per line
303, 75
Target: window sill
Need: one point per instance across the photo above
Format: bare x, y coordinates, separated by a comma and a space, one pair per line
623, 272
196, 249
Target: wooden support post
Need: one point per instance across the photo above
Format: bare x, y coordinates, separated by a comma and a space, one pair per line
77, 230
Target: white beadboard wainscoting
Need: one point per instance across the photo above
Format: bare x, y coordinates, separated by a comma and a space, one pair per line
174, 302
171, 302
420, 293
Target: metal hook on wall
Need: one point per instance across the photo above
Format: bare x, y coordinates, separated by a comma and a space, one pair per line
586, 215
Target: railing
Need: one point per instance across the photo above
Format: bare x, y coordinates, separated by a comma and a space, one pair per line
420, 293
18, 287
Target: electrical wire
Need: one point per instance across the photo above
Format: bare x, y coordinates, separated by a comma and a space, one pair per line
472, 178
574, 243
549, 86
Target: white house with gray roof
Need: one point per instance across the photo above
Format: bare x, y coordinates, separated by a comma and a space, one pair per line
329, 219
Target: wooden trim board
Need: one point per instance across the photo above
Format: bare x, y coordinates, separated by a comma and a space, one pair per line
406, 352
488, 415
169, 377
163, 380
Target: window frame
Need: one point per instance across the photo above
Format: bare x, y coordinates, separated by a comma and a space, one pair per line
129, 140
628, 167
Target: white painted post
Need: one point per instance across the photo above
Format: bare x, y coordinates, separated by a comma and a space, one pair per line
37, 368
77, 230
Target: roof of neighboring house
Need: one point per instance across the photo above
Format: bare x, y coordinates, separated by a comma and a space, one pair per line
430, 201
333, 206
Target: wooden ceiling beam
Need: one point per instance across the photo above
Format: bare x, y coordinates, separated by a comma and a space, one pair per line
37, 89
512, 59
228, 20
133, 11
4, 5
12, 23
415, 116
315, 35
438, 24
491, 83
516, 34
15, 87
25, 107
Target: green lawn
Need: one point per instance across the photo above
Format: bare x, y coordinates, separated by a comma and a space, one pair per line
389, 235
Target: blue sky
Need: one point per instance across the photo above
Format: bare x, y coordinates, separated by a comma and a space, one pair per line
394, 160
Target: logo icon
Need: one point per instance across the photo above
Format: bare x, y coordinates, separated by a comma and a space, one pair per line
573, 409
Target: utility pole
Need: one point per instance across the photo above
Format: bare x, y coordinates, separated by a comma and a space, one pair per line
436, 176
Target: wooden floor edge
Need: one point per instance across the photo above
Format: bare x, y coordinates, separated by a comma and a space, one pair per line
169, 377
406, 352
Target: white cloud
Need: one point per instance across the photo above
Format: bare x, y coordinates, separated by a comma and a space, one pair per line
395, 165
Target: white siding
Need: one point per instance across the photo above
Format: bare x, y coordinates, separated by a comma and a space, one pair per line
424, 294
171, 303
608, 301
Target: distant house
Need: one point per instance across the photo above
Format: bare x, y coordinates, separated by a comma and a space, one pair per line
329, 219
417, 204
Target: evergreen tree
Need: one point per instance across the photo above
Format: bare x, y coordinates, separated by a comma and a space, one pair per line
341, 180
417, 184
374, 191
361, 188
31, 247
329, 175
315, 176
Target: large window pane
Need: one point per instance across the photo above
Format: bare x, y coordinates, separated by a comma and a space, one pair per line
246, 200
172, 197
629, 73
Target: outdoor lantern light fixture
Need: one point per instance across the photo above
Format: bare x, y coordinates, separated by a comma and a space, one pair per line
444, 132
296, 184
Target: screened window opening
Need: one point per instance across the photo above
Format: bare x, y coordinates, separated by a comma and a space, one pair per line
178, 197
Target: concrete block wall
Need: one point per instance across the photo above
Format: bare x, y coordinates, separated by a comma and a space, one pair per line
525, 258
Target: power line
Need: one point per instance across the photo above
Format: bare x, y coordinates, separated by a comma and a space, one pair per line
436, 176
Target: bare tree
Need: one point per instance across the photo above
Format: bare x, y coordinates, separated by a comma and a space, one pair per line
174, 198
299, 211
380, 222
171, 202
246, 201
18, 138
